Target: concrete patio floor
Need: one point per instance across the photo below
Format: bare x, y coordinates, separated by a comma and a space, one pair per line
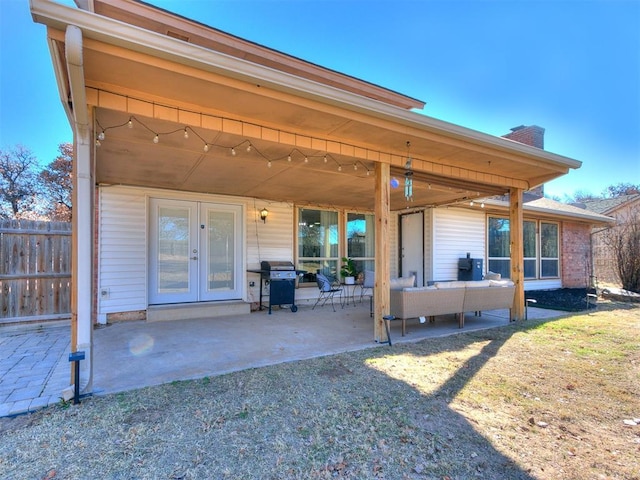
131, 355
138, 354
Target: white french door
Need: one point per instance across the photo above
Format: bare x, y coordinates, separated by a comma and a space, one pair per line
195, 251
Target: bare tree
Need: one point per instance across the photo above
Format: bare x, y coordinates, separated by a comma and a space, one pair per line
57, 182
18, 182
621, 189
624, 241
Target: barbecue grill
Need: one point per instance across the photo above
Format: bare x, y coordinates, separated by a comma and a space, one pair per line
282, 283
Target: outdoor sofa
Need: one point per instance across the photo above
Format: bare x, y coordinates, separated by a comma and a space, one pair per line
455, 298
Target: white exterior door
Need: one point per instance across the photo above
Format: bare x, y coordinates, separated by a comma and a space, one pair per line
195, 251
412, 247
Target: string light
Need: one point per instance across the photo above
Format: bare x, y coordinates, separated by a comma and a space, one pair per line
186, 132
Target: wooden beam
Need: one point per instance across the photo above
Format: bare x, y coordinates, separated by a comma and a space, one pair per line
383, 251
516, 225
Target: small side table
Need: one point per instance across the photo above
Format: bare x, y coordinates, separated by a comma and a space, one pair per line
349, 293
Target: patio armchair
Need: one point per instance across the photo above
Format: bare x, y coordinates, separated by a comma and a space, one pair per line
327, 291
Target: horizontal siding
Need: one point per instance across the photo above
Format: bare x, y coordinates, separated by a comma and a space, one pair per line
122, 250
270, 240
394, 257
456, 232
428, 244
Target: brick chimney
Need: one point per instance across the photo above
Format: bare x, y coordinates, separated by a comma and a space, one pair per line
533, 136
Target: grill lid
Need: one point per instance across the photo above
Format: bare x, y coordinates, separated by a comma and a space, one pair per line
276, 265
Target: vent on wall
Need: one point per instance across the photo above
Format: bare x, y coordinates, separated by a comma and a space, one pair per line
179, 36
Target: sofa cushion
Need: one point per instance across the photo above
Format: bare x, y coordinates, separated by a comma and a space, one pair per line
478, 283
418, 289
501, 283
402, 282
456, 284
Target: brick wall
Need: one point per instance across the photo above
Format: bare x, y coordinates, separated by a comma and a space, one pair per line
576, 255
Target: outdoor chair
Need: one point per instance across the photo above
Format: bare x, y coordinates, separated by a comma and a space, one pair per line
327, 291
366, 288
368, 280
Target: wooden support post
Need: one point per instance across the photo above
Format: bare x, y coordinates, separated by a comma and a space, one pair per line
516, 226
382, 259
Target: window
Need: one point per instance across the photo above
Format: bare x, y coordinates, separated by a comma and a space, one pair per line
549, 258
319, 247
499, 249
360, 240
530, 250
540, 245
318, 250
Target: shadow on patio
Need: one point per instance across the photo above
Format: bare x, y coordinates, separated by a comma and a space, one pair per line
138, 354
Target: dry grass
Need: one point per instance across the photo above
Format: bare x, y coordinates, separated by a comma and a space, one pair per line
536, 400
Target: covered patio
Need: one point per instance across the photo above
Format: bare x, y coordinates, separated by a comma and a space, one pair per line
160, 103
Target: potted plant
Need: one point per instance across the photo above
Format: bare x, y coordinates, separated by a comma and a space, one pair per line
348, 271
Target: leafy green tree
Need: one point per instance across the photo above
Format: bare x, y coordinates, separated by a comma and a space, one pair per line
57, 183
19, 182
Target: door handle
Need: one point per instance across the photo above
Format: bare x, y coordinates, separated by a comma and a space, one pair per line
194, 258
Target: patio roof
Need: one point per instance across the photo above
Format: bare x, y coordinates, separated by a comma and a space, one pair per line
169, 74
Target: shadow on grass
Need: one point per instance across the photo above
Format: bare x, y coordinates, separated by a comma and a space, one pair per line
473, 453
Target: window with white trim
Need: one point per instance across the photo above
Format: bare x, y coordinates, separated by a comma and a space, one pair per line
361, 240
320, 244
541, 248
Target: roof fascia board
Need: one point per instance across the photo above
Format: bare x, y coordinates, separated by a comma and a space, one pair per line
135, 38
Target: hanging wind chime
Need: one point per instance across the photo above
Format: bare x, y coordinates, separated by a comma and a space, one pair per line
408, 176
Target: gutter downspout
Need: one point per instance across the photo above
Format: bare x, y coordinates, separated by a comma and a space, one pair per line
82, 260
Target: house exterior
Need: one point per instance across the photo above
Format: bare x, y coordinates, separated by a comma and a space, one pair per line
183, 134
625, 209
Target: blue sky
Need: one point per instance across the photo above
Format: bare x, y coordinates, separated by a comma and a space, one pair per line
571, 67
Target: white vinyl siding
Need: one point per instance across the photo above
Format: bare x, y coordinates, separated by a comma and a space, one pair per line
394, 247
122, 251
270, 240
456, 232
428, 244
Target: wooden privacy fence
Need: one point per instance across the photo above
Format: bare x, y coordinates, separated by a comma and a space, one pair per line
35, 270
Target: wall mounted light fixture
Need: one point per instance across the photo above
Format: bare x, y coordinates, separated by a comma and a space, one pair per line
263, 214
